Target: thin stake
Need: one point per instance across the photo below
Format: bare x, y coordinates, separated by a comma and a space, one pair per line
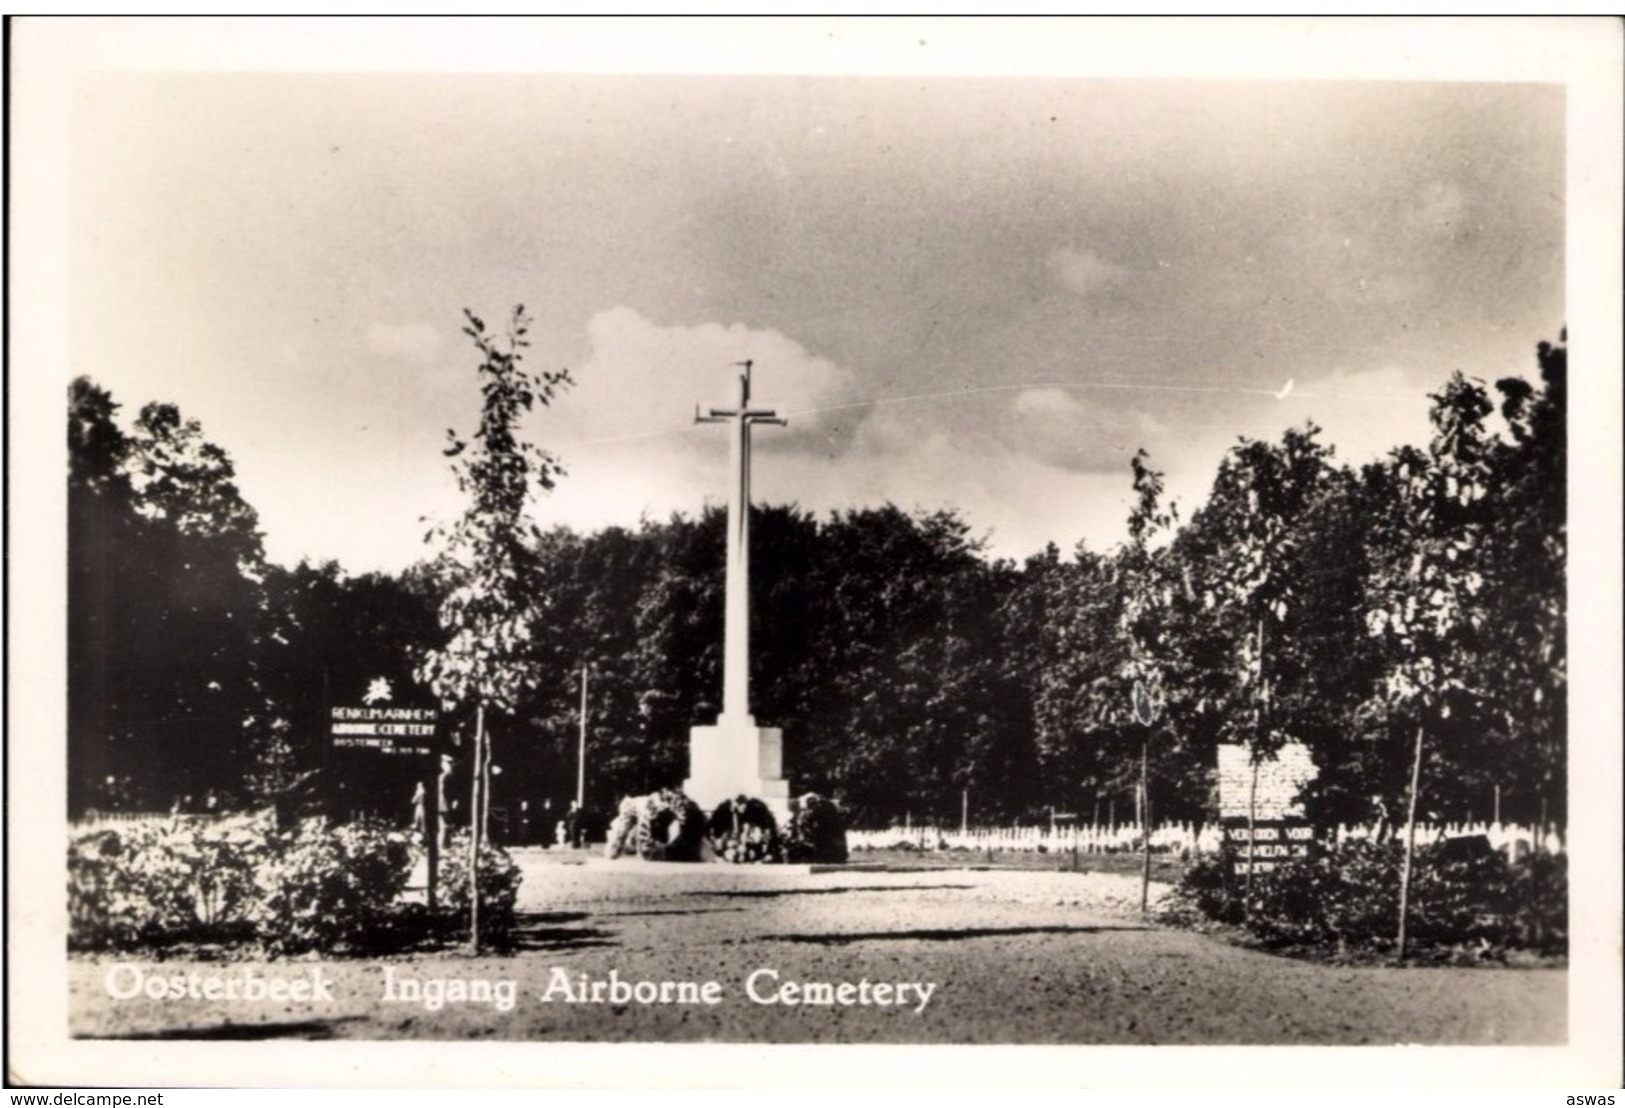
474, 833
581, 752
1410, 842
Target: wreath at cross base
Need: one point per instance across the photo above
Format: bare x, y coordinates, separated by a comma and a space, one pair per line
668, 826
665, 826
743, 830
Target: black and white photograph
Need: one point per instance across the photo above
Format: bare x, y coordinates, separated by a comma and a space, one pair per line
587, 537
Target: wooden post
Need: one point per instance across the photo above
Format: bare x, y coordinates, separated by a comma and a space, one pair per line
431, 825
474, 821
1252, 785
1410, 843
1145, 821
581, 750
1252, 834
485, 792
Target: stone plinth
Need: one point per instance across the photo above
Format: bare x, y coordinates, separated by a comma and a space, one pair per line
737, 758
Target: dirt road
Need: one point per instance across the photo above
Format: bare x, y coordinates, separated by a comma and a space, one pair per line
713, 953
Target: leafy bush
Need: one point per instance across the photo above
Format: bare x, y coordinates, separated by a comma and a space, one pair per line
314, 887
1539, 890
498, 884
1346, 898
1343, 898
816, 831
618, 840
322, 887
152, 883
1204, 893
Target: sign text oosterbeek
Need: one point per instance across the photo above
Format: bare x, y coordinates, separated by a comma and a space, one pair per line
384, 729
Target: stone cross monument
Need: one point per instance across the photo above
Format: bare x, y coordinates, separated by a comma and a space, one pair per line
735, 756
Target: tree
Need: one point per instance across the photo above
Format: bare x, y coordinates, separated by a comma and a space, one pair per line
102, 528
913, 707
1527, 587
1424, 603
164, 610
1259, 501
1328, 663
489, 556
1146, 596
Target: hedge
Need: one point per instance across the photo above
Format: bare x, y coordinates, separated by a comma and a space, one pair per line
314, 886
1346, 898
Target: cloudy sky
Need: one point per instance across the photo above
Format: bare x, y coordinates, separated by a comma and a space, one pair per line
968, 292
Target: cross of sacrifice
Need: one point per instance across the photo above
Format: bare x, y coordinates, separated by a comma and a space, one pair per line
736, 613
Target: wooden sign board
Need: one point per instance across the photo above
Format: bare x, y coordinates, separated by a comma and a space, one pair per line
1273, 842
389, 730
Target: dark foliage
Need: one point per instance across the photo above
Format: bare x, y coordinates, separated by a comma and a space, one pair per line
816, 831
1344, 900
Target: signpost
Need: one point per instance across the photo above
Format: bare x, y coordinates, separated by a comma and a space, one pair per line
391, 729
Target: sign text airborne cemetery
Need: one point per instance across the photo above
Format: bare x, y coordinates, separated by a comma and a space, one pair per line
390, 730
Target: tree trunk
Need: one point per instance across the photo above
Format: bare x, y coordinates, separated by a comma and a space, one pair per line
431, 828
1145, 823
1410, 842
1252, 784
1252, 830
474, 821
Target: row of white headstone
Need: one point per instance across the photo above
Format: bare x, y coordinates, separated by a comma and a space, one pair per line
1178, 837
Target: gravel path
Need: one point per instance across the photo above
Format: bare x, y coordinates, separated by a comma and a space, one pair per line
945, 956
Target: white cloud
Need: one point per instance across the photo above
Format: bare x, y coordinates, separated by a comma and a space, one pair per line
996, 483
642, 377
1439, 210
1363, 415
1048, 403
411, 342
626, 431
1084, 271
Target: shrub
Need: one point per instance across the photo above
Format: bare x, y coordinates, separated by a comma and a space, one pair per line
147, 884
1539, 891
314, 887
1204, 893
1347, 898
1343, 897
816, 831
323, 887
618, 840
498, 884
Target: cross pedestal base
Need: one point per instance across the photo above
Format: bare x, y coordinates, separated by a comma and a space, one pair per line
737, 758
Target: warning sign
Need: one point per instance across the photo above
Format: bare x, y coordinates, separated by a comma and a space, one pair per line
1273, 842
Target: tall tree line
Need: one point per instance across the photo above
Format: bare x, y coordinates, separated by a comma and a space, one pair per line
1303, 599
